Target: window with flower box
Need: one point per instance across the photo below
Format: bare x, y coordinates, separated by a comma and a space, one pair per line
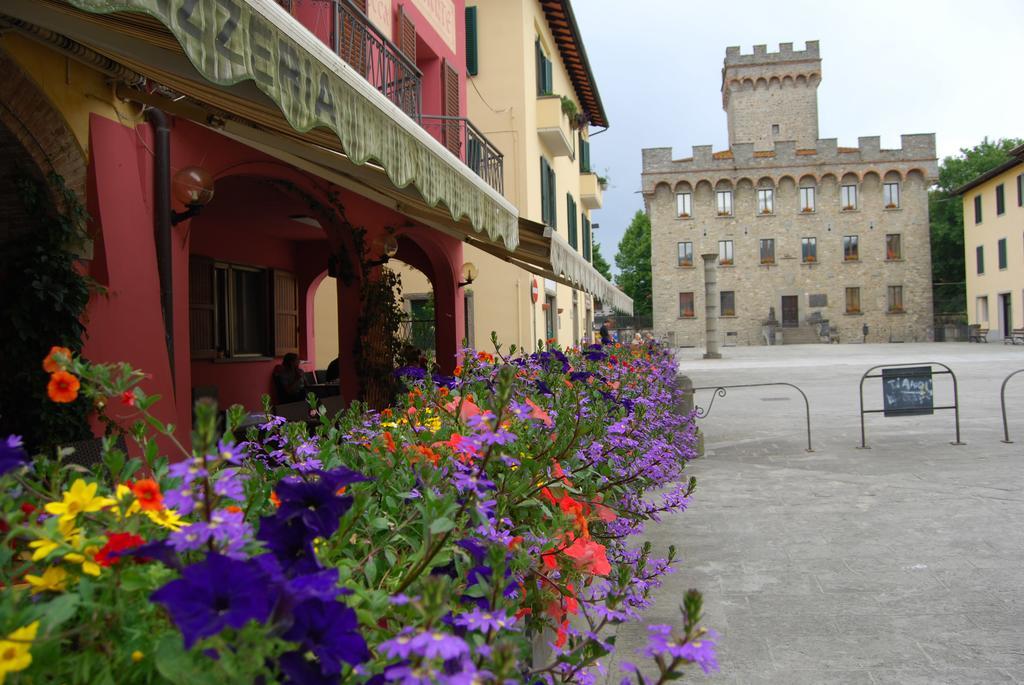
767, 250
893, 247
809, 250
725, 253
807, 200
728, 302
683, 205
686, 305
848, 198
685, 255
853, 300
891, 195
723, 199
895, 299
851, 249
765, 201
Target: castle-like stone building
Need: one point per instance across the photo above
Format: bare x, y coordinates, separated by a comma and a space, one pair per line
823, 239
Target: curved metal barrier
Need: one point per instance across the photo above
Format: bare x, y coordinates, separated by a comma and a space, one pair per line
720, 391
1002, 403
867, 374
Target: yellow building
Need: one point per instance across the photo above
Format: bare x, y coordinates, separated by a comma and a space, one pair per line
529, 74
994, 247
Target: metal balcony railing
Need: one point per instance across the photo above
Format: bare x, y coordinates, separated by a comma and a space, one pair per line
471, 146
376, 58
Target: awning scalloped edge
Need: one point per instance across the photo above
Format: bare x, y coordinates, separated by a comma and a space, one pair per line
231, 41
565, 260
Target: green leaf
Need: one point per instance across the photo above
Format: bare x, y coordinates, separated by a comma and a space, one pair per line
59, 610
177, 665
441, 525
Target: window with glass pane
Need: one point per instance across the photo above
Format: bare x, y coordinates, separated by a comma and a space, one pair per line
848, 197
686, 305
767, 250
979, 256
685, 254
809, 249
725, 252
893, 248
249, 309
724, 200
977, 209
851, 252
895, 298
765, 201
853, 300
807, 199
891, 195
683, 204
1001, 250
728, 298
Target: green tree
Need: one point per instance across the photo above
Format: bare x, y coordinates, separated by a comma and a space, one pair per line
634, 262
600, 263
947, 218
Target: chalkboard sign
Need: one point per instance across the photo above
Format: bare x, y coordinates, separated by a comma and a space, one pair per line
908, 391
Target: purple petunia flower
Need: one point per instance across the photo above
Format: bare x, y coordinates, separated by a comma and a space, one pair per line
291, 543
315, 499
12, 454
215, 594
330, 630
300, 671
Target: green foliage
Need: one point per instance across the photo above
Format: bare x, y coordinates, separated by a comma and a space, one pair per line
634, 262
44, 299
600, 263
947, 220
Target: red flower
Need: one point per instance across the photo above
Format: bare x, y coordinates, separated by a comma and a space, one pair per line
27, 508
537, 413
389, 442
589, 556
148, 495
50, 364
117, 542
128, 398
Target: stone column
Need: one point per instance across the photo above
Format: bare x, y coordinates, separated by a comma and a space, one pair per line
711, 304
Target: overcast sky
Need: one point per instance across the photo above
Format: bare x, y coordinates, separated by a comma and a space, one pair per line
888, 67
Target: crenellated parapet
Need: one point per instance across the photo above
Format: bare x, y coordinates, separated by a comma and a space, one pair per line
916, 153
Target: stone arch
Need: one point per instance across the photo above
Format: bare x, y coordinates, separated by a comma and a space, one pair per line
747, 84
40, 128
774, 82
703, 185
785, 177
801, 80
849, 179
916, 177
744, 183
683, 187
870, 176
765, 182
761, 83
808, 181
787, 81
723, 184
662, 186
892, 176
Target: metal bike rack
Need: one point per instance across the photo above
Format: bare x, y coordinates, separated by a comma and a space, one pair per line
720, 391
1002, 403
956, 396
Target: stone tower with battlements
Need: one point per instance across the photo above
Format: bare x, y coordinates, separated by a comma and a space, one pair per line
772, 96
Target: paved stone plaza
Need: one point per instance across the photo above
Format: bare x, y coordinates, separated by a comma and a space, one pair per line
899, 564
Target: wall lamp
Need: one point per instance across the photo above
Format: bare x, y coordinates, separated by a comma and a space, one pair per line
469, 274
192, 187
387, 245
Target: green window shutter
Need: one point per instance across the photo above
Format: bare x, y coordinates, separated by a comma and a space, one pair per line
584, 155
571, 219
587, 237
549, 83
539, 57
544, 203
472, 56
552, 194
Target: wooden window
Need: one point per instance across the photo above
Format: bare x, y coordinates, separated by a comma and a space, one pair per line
767, 250
544, 77
202, 309
549, 214
809, 250
891, 195
685, 253
724, 202
807, 199
725, 253
895, 298
286, 313
977, 208
451, 131
683, 205
406, 38
472, 52
686, 305
848, 198
765, 201
851, 251
979, 256
853, 300
1000, 200
570, 215
728, 302
893, 247
1001, 253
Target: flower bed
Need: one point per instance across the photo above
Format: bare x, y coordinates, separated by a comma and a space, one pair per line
442, 540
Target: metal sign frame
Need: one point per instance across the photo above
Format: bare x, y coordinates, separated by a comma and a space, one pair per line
956, 396
720, 391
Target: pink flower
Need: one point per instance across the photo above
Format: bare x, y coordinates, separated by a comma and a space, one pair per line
589, 556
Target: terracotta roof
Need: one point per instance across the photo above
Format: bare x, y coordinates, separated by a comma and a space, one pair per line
563, 26
724, 154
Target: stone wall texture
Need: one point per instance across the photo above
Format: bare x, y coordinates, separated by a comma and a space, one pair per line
820, 285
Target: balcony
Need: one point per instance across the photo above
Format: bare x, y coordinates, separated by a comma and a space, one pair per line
553, 126
375, 57
467, 143
590, 190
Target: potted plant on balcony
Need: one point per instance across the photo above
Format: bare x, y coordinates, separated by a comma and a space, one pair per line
570, 110
603, 182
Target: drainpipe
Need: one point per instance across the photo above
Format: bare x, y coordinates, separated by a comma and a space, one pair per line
162, 223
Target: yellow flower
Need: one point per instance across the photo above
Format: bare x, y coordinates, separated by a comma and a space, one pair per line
167, 518
433, 423
14, 650
86, 559
81, 498
123, 492
138, 656
44, 546
54, 579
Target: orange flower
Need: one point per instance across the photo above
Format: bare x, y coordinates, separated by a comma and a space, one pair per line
389, 442
234, 509
275, 499
457, 371
147, 494
442, 391
50, 364
485, 357
63, 387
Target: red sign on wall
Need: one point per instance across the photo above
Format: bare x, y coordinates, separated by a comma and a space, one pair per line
534, 291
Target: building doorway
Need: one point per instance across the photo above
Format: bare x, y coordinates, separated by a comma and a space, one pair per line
549, 317
1005, 315
790, 310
